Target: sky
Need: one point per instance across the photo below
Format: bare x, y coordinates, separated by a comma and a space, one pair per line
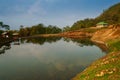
50, 12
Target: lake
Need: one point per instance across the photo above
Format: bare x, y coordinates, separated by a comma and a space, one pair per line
51, 58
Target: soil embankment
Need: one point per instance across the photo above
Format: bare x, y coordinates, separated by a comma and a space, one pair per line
104, 35
106, 68
76, 34
83, 33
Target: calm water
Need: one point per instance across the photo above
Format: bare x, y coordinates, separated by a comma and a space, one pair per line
46, 58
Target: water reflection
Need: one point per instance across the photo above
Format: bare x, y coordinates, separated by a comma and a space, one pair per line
16, 42
80, 42
55, 58
40, 40
87, 42
5, 47
103, 47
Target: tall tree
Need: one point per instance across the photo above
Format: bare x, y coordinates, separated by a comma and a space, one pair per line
7, 27
1, 24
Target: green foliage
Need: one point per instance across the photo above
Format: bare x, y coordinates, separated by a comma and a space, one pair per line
1, 31
86, 23
114, 45
52, 29
65, 29
111, 16
106, 68
42, 40
6, 27
38, 29
1, 23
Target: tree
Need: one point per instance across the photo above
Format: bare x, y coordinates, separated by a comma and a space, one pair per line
1, 24
7, 27
65, 29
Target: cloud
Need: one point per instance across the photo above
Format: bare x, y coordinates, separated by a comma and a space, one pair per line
48, 12
36, 9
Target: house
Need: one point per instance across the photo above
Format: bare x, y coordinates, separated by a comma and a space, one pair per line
5, 35
15, 35
102, 24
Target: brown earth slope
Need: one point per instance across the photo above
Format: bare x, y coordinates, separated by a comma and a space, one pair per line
108, 67
110, 33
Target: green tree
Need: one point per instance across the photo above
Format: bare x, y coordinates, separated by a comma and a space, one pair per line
7, 27
65, 29
1, 24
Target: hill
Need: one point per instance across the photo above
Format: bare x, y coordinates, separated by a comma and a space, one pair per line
110, 15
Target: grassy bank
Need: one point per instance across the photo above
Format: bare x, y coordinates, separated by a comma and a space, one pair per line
114, 45
106, 68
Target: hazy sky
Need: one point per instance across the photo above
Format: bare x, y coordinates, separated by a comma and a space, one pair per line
53, 12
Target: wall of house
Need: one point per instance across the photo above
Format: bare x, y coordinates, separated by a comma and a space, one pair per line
100, 26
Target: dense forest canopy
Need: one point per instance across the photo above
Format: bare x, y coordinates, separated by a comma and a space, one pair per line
39, 29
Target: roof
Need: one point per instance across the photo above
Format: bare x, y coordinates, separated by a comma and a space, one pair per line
4, 33
102, 23
15, 34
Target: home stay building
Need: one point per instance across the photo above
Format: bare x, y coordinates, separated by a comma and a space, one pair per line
102, 24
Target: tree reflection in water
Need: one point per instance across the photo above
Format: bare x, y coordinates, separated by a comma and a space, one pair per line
80, 41
87, 42
5, 47
59, 62
41, 40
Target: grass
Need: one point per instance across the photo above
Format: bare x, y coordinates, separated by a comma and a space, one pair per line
106, 68
114, 45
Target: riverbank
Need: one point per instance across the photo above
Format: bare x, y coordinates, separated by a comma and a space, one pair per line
82, 33
5, 40
106, 68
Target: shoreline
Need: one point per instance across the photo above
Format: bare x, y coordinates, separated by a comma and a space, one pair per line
107, 67
99, 69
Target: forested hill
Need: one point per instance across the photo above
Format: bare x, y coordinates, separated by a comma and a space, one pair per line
110, 15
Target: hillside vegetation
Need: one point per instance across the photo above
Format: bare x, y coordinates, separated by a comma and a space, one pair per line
108, 67
110, 15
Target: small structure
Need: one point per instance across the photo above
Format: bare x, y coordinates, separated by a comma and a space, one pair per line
102, 24
5, 35
15, 35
